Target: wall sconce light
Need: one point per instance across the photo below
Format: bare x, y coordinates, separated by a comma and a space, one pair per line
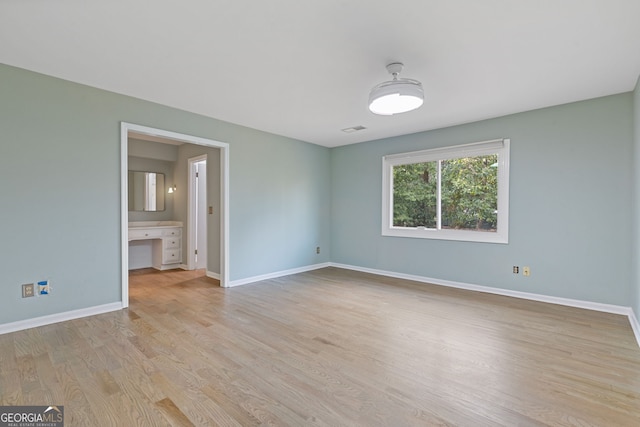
172, 190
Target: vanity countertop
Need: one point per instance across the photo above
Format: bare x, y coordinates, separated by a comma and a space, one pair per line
154, 224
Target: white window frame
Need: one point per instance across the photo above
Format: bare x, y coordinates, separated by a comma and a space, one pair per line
496, 146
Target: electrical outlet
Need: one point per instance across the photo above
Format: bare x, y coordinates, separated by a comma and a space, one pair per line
317, 249
516, 269
526, 271
27, 290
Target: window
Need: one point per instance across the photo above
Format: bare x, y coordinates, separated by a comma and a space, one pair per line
451, 193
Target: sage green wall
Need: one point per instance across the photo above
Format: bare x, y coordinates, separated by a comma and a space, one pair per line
152, 150
570, 205
60, 165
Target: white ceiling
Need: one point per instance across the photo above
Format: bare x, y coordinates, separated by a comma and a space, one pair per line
304, 69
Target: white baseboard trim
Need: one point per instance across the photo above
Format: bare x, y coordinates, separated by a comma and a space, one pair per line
589, 305
635, 325
59, 317
106, 308
276, 274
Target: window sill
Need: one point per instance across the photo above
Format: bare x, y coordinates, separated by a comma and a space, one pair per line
459, 235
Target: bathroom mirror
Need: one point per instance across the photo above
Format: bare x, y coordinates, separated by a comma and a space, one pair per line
146, 191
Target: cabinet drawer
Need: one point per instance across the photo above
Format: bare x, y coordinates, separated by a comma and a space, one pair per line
172, 242
171, 256
174, 232
144, 233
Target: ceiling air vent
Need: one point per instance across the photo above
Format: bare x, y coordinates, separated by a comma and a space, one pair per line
353, 129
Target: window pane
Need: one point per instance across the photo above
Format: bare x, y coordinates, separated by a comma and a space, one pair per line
415, 195
470, 193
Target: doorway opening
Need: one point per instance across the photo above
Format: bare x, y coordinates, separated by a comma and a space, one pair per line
128, 130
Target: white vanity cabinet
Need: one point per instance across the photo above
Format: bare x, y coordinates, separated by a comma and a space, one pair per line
172, 246
164, 239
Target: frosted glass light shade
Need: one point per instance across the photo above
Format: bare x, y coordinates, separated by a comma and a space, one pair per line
396, 96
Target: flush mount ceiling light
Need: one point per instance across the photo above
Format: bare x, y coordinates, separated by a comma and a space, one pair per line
396, 96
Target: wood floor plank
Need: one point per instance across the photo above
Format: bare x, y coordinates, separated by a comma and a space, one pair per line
79, 412
173, 413
48, 379
178, 395
329, 347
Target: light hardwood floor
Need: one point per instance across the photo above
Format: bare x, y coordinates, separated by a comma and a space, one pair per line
330, 348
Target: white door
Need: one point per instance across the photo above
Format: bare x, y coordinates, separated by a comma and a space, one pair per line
197, 213
200, 172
